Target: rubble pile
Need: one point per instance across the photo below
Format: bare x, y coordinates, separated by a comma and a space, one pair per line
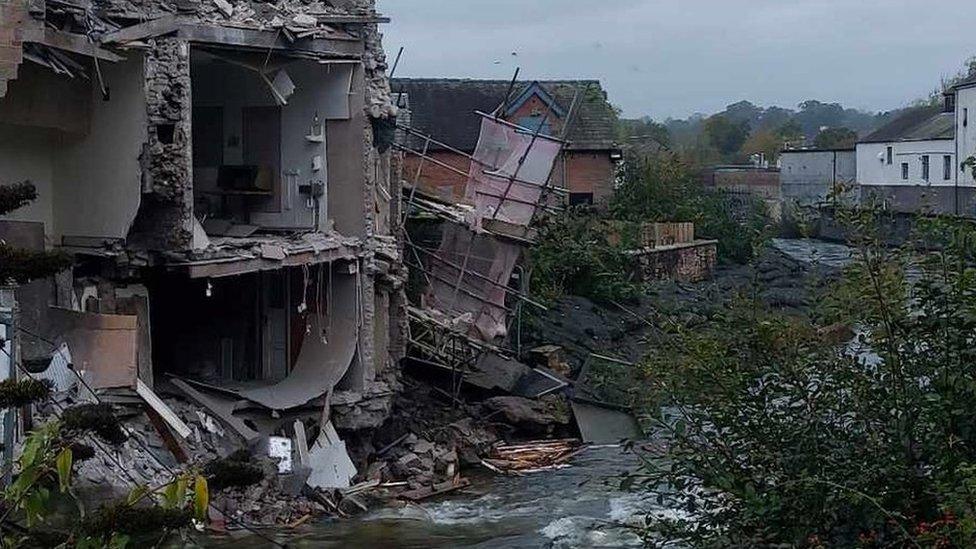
274, 500
429, 440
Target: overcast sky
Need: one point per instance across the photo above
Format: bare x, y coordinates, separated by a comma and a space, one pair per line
676, 57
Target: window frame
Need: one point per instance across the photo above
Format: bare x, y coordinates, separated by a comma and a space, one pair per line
926, 167
904, 171
946, 167
890, 155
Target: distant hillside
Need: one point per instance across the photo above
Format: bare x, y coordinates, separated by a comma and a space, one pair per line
744, 129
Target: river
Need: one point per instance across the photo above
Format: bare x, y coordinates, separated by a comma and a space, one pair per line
578, 506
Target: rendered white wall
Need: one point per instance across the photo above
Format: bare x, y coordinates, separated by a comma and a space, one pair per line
966, 134
874, 170
26, 154
98, 178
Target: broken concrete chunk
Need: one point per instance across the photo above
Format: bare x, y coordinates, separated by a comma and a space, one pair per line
423, 446
225, 7
305, 20
529, 415
270, 251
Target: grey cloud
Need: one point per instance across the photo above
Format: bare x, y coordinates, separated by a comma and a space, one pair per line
675, 57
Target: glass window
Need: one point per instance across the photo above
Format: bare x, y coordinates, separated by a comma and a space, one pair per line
889, 154
904, 171
947, 167
925, 167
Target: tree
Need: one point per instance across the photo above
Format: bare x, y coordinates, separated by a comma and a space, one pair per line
766, 142
18, 265
726, 136
835, 138
783, 433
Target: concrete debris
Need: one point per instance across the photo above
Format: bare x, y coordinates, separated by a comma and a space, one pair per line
540, 417
225, 7
329, 461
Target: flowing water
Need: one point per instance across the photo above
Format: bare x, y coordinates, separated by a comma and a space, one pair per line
578, 506
574, 507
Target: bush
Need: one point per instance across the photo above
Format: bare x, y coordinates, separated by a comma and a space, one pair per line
573, 256
96, 418
781, 436
663, 189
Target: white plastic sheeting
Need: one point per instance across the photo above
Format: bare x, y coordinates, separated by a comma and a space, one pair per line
524, 162
487, 263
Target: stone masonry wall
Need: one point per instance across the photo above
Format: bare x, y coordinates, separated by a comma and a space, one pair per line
690, 263
165, 217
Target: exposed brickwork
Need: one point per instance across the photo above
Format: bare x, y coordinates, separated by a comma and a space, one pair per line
438, 180
580, 172
588, 172
13, 14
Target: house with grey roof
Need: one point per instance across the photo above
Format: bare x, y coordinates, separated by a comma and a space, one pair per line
576, 111
915, 163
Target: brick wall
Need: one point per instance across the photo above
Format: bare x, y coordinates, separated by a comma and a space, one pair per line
438, 180
12, 15
590, 172
580, 172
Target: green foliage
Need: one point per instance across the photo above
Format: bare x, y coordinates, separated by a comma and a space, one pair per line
131, 521
233, 471
97, 418
665, 190
779, 435
16, 196
21, 392
726, 136
835, 138
22, 266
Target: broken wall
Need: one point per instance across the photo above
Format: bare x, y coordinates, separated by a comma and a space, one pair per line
98, 174
79, 150
165, 218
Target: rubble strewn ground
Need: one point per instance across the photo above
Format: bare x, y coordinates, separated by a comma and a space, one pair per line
432, 438
581, 326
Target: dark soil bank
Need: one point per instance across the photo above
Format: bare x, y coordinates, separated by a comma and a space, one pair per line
788, 281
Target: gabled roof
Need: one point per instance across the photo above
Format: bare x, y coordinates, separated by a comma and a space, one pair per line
917, 124
536, 89
445, 108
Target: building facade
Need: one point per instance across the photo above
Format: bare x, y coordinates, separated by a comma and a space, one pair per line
224, 177
809, 176
576, 111
916, 163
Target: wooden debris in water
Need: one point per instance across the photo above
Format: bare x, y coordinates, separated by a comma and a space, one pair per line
532, 457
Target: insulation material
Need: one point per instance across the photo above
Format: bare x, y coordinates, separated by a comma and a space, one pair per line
325, 356
59, 371
105, 346
330, 462
519, 155
487, 263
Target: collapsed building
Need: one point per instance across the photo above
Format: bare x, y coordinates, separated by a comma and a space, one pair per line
471, 215
577, 111
223, 175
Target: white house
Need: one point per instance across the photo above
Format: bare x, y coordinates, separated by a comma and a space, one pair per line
914, 163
